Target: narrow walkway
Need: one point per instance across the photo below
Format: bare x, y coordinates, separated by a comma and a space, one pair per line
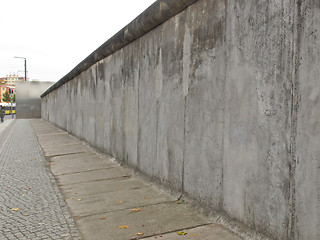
31, 205
5, 124
109, 203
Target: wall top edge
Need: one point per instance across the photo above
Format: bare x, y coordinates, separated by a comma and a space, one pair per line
159, 12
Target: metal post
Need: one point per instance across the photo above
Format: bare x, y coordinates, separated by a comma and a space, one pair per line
25, 69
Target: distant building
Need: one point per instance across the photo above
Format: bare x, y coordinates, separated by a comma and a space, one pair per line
8, 84
12, 79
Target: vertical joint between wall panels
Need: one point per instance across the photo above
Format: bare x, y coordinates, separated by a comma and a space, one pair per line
184, 143
224, 102
138, 117
297, 19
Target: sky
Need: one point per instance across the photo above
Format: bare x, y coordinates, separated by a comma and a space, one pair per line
55, 36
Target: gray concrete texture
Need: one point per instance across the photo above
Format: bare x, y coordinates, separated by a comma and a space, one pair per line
28, 101
221, 103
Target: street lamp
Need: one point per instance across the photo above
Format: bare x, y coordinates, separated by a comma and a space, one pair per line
25, 67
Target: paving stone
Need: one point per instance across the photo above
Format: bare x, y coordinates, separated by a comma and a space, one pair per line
31, 205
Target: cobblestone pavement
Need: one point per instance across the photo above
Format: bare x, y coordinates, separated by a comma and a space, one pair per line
31, 205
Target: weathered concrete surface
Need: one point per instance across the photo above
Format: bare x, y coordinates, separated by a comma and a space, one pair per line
307, 122
102, 186
151, 220
111, 201
101, 206
28, 101
78, 162
219, 102
256, 161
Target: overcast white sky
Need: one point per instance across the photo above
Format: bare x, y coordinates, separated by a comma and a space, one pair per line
56, 35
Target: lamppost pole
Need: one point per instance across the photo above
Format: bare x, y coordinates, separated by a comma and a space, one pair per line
25, 67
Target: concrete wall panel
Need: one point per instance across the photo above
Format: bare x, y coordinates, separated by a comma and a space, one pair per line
220, 102
130, 111
307, 87
170, 104
204, 65
147, 132
257, 116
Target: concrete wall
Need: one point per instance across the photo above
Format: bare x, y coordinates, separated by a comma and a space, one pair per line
220, 102
28, 101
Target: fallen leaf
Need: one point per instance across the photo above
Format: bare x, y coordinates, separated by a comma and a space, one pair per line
147, 197
15, 209
136, 210
102, 218
193, 235
76, 218
155, 237
180, 202
120, 201
139, 234
79, 199
26, 214
71, 198
124, 226
27, 188
22, 195
182, 233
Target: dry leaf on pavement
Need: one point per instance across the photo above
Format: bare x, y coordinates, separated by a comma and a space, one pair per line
181, 233
136, 210
15, 209
124, 226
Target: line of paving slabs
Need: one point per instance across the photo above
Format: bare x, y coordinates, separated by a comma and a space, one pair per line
60, 144
151, 220
118, 200
103, 186
64, 150
94, 175
79, 162
109, 203
58, 141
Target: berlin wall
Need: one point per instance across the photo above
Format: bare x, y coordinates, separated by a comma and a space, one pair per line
217, 99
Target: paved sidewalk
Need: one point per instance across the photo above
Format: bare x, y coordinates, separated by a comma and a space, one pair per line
109, 203
31, 205
5, 124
